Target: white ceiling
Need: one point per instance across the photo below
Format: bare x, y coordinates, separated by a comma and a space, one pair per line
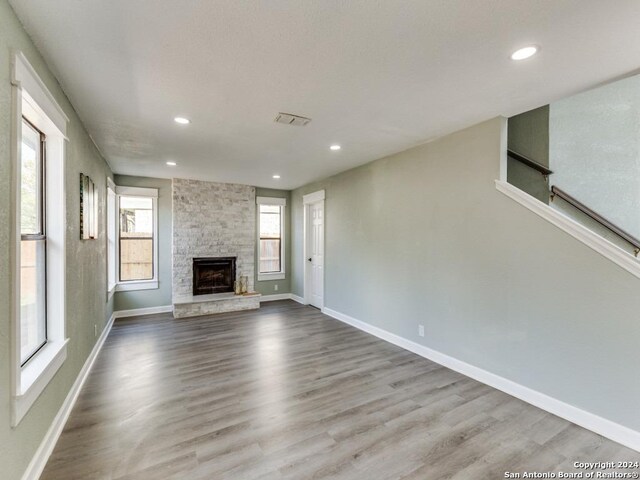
375, 76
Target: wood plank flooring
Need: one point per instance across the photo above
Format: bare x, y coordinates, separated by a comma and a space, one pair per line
285, 392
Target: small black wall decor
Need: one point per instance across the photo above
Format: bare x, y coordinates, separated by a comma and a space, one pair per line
88, 209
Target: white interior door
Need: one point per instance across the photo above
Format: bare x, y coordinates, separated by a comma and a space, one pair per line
315, 254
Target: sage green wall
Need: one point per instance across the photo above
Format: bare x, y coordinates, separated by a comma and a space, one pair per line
161, 296
86, 282
424, 237
267, 287
529, 136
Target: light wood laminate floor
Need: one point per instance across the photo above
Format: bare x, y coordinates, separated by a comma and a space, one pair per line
285, 392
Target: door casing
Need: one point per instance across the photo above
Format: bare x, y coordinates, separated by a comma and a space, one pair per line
309, 200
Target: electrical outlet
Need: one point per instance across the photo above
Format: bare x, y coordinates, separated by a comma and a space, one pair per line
421, 330
275, 287
95, 330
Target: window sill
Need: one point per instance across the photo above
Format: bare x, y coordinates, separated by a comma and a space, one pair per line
271, 276
132, 286
36, 375
578, 231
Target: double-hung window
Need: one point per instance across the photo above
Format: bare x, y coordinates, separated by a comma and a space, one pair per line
271, 211
33, 243
38, 225
137, 247
111, 237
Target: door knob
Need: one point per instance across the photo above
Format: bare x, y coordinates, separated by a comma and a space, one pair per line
309, 259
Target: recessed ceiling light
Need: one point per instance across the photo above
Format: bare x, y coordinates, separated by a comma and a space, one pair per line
525, 52
335, 147
276, 177
182, 120
172, 164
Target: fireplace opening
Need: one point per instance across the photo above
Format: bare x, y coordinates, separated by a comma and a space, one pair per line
213, 275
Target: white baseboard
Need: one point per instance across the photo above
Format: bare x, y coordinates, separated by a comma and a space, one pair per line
278, 296
298, 299
283, 296
143, 311
40, 458
611, 430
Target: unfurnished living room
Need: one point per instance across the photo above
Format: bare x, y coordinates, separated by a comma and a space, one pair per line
319, 239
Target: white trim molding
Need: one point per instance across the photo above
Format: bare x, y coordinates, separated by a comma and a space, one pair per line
282, 296
36, 375
578, 231
142, 311
40, 458
137, 191
25, 77
134, 285
298, 299
277, 296
271, 201
111, 237
31, 98
313, 197
607, 428
277, 202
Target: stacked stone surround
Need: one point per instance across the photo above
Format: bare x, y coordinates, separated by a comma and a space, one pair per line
211, 220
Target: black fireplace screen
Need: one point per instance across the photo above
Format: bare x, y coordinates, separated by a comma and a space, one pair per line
213, 275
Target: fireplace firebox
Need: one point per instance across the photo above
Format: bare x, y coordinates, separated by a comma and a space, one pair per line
213, 275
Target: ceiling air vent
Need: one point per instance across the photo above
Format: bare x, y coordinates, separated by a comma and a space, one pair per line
289, 119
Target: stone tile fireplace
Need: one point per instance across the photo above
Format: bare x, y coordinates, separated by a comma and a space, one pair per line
212, 221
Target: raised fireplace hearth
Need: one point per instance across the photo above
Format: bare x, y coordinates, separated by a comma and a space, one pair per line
213, 275
213, 292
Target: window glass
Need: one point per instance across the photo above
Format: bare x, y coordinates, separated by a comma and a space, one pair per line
136, 238
38, 271
111, 238
270, 238
33, 327
33, 280
30, 175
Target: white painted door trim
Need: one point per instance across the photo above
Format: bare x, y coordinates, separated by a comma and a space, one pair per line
307, 201
313, 197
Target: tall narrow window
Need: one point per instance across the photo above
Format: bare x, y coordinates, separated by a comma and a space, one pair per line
33, 272
136, 238
111, 236
38, 302
270, 238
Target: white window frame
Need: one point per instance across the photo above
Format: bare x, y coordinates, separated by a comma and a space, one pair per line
32, 99
132, 285
112, 238
282, 203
